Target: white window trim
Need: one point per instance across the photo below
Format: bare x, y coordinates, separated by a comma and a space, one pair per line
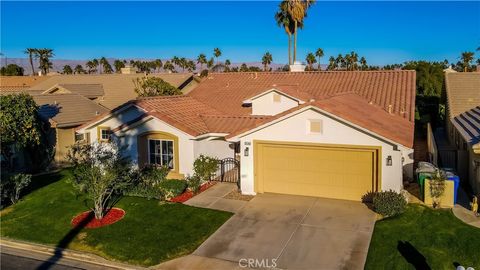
109, 134
173, 148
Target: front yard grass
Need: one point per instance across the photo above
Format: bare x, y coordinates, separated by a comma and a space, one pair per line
150, 232
423, 238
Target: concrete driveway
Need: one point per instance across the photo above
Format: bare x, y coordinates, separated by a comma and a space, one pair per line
294, 232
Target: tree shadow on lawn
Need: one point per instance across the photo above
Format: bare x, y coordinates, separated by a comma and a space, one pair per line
412, 255
63, 243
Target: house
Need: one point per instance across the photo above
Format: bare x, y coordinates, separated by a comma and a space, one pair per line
330, 134
68, 101
463, 123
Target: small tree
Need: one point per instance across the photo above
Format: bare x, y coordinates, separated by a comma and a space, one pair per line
154, 86
437, 187
12, 185
102, 172
20, 124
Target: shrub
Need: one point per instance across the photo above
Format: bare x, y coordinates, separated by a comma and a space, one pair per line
172, 187
389, 203
147, 183
194, 183
205, 167
13, 184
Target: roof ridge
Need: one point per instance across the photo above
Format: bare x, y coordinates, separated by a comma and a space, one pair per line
235, 116
313, 72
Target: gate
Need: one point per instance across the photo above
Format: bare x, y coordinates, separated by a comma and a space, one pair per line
228, 171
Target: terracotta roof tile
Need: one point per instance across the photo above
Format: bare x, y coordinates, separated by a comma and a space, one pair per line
226, 91
463, 91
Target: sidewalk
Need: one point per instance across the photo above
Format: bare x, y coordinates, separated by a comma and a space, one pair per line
52, 256
213, 198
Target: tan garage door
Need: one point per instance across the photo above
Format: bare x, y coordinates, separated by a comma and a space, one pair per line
340, 172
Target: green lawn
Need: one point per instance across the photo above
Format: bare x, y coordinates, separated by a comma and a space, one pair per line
423, 238
150, 232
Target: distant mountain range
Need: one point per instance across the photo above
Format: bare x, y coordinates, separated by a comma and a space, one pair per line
59, 63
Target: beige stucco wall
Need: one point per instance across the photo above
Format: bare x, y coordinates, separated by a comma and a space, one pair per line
295, 129
264, 105
65, 138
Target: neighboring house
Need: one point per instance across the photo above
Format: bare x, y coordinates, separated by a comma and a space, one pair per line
463, 123
68, 101
329, 134
108, 90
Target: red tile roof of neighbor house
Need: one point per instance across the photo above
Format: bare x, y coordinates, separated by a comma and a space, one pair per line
380, 101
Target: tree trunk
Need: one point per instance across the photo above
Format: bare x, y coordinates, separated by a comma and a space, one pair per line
31, 64
319, 68
289, 49
295, 44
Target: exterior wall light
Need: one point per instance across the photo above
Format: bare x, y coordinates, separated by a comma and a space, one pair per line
389, 161
245, 152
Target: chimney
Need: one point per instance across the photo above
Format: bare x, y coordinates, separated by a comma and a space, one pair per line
297, 67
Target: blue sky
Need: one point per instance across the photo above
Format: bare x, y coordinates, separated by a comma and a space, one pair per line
383, 32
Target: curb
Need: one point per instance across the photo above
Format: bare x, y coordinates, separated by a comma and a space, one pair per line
66, 253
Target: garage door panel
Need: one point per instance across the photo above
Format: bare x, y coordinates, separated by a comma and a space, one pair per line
334, 172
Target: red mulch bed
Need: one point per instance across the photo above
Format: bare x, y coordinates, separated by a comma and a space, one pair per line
114, 215
185, 196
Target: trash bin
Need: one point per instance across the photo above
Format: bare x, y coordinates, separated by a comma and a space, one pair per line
425, 170
421, 182
456, 184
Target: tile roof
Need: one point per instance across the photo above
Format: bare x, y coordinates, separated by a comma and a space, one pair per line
118, 88
21, 81
183, 112
86, 90
382, 102
468, 125
387, 89
463, 92
66, 110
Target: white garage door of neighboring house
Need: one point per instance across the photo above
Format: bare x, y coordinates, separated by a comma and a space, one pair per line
331, 171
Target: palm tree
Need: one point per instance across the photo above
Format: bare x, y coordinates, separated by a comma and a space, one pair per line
175, 61
467, 58
158, 64
353, 60
79, 69
107, 68
332, 63
348, 61
266, 60
96, 63
44, 56
168, 66
118, 65
310, 60
298, 11
191, 66
201, 59
210, 63
319, 54
285, 20
363, 63
339, 61
217, 53
67, 69
92, 67
183, 63
227, 65
32, 53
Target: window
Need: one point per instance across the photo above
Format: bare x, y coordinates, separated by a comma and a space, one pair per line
79, 137
104, 134
277, 97
315, 126
160, 152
